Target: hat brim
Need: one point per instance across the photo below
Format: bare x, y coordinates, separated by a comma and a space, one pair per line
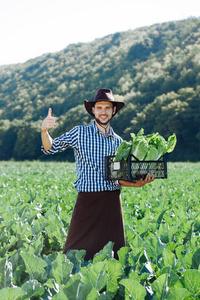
90, 104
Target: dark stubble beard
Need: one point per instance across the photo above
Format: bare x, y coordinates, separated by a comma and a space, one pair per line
103, 124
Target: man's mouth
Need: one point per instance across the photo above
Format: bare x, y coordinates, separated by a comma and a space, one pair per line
103, 117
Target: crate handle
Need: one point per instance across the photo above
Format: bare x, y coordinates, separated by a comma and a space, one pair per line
135, 157
162, 157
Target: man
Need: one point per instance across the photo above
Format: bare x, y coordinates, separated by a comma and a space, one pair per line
97, 216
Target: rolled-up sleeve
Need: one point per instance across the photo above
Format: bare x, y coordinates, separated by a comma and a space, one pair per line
68, 139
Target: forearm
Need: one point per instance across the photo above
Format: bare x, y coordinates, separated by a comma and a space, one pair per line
127, 183
47, 141
139, 183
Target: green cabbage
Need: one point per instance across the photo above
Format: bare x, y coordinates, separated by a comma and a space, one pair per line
139, 149
152, 154
123, 151
149, 147
139, 145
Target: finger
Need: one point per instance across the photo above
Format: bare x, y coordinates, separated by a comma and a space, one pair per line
148, 177
49, 112
51, 123
151, 178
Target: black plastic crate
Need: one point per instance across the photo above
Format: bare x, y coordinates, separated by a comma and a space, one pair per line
133, 169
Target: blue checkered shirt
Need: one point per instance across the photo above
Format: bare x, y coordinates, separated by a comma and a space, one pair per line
90, 148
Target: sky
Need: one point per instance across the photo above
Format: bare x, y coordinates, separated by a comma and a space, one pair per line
30, 28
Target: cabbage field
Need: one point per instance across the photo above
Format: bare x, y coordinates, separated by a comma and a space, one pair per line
162, 223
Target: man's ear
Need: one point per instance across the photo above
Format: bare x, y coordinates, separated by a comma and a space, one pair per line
114, 110
93, 109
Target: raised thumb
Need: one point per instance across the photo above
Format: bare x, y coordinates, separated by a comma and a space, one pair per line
49, 112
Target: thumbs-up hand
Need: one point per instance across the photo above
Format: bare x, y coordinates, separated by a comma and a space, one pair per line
49, 121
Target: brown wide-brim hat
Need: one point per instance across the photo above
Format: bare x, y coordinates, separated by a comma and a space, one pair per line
103, 95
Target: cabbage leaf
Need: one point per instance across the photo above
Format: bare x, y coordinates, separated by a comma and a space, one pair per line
123, 151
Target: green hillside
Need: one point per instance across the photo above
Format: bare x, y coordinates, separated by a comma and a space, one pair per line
155, 70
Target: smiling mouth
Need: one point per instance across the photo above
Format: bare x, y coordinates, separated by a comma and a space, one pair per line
104, 120
103, 116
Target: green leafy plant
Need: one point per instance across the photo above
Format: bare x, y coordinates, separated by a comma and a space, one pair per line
161, 259
149, 147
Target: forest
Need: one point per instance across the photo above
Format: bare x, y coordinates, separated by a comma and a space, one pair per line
155, 70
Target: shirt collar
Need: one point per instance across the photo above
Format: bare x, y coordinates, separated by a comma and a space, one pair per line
96, 129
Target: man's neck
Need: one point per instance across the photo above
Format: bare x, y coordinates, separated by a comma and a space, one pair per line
103, 128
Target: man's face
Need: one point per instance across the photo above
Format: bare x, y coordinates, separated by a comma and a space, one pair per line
103, 112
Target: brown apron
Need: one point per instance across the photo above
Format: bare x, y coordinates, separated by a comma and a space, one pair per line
96, 220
